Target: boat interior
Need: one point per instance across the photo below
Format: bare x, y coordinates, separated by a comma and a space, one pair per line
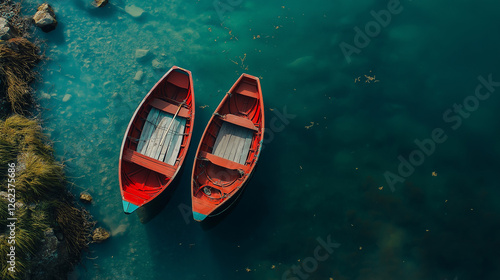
230, 143
156, 142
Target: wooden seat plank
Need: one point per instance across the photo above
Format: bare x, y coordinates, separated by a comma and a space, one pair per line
233, 147
222, 162
175, 136
239, 148
222, 140
219, 138
239, 121
233, 143
158, 135
247, 90
230, 142
149, 163
245, 150
169, 108
147, 131
167, 140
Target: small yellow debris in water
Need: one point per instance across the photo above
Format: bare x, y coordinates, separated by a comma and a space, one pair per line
434, 174
248, 269
309, 126
427, 230
272, 109
370, 79
361, 248
446, 201
356, 168
204, 106
381, 188
273, 266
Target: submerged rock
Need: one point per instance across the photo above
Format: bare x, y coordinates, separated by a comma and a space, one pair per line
100, 234
6, 30
100, 3
85, 197
52, 260
50, 244
134, 11
157, 65
141, 54
66, 97
45, 18
138, 76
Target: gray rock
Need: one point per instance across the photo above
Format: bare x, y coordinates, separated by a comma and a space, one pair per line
141, 54
6, 30
45, 18
134, 11
100, 3
138, 76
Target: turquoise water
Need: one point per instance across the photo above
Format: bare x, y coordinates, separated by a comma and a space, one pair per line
322, 174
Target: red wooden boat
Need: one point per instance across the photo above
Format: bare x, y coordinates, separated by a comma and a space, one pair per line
229, 149
157, 139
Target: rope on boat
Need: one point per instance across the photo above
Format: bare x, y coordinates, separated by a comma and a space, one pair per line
172, 121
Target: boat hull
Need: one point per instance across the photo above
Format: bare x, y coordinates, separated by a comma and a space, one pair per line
229, 149
157, 139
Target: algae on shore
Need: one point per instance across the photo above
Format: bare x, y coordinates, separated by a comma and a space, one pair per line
18, 57
43, 205
41, 199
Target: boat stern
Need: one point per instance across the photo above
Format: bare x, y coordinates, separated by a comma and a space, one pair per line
198, 216
129, 207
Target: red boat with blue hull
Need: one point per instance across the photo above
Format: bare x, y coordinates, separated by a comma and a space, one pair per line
157, 139
229, 149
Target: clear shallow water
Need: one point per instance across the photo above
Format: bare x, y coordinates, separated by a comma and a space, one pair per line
311, 182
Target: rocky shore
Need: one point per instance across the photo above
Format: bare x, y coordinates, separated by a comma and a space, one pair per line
47, 229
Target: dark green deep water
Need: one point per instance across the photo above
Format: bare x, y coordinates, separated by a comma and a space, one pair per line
323, 172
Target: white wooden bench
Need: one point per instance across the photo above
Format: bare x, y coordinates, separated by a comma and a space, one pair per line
155, 130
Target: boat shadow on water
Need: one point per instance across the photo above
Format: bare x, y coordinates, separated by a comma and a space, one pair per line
241, 211
149, 211
212, 221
